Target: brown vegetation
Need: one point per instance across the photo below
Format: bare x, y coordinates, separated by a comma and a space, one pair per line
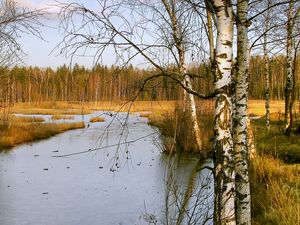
275, 191
29, 119
25, 132
43, 111
176, 127
275, 182
97, 119
60, 117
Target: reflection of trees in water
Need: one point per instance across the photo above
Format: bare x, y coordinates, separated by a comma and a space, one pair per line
188, 192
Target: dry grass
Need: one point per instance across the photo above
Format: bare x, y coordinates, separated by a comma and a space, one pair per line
145, 114
97, 119
137, 106
27, 119
60, 117
57, 107
275, 191
176, 127
43, 111
12, 119
275, 180
257, 107
25, 132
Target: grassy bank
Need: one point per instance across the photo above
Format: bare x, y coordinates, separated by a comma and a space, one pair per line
256, 107
61, 117
275, 143
275, 190
85, 108
275, 175
24, 132
97, 119
275, 170
176, 127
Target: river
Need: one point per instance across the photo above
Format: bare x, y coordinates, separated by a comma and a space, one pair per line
125, 184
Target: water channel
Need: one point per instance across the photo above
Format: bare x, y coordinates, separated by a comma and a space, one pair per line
125, 184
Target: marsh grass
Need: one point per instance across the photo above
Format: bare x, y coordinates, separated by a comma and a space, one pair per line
43, 111
275, 191
61, 117
256, 107
275, 174
145, 114
97, 119
274, 143
27, 119
176, 127
20, 119
58, 107
24, 132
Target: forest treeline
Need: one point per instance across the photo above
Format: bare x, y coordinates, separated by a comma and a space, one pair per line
102, 83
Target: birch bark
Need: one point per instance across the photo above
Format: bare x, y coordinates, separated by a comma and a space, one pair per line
289, 89
267, 70
243, 206
223, 143
178, 37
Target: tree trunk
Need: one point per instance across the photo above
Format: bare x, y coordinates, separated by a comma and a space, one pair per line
223, 144
267, 71
243, 206
289, 88
178, 37
192, 106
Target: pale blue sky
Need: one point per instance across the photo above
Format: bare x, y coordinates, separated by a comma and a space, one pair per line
39, 51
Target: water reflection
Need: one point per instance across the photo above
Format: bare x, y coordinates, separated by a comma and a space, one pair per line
145, 186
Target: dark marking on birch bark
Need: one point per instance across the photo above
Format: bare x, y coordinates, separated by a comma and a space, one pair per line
228, 43
222, 56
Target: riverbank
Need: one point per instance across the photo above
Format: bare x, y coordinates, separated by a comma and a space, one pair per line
176, 128
274, 172
19, 131
256, 107
275, 175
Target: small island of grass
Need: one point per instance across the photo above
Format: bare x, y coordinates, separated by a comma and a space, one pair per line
97, 119
18, 133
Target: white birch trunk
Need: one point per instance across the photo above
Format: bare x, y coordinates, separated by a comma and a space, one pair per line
267, 72
178, 37
251, 145
192, 105
223, 145
243, 206
289, 89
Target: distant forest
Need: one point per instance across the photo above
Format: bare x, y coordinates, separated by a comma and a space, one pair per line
102, 83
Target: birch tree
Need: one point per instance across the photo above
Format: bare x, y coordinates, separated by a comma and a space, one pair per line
179, 41
292, 14
224, 211
267, 66
161, 33
243, 206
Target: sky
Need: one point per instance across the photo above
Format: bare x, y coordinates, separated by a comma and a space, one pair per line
43, 53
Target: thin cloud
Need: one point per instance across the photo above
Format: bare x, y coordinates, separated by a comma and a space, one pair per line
48, 5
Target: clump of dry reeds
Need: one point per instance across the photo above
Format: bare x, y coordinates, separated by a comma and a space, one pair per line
61, 116
177, 129
97, 119
18, 133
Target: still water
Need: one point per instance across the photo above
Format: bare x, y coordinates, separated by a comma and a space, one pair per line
124, 184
